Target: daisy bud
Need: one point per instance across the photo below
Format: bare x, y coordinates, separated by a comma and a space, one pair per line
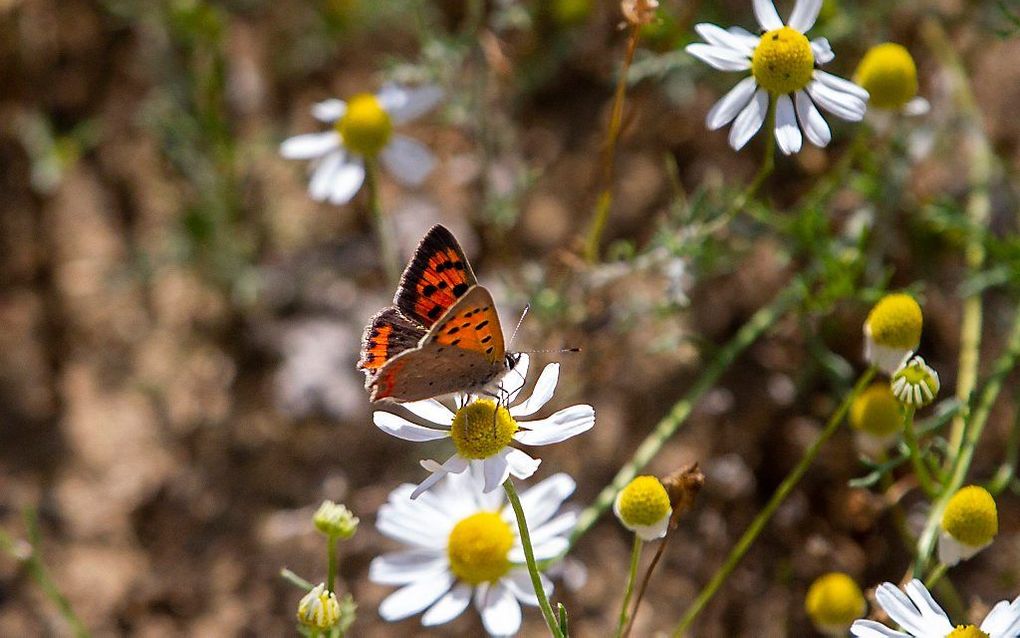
643, 508
639, 12
833, 602
682, 487
335, 521
892, 331
319, 608
915, 383
876, 411
888, 73
969, 524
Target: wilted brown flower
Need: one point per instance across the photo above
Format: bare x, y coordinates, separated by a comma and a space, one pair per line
683, 486
639, 12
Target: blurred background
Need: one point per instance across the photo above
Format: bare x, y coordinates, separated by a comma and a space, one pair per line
179, 321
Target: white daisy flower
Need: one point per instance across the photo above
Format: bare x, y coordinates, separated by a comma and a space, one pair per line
783, 64
921, 617
482, 431
464, 545
363, 128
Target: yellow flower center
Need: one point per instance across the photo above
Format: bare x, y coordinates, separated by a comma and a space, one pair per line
970, 631
834, 601
895, 322
782, 62
366, 126
644, 501
876, 411
971, 516
888, 73
480, 429
479, 548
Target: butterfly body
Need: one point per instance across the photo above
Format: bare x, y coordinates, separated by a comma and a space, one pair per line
442, 335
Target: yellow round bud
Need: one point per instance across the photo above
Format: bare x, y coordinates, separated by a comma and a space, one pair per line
971, 516
833, 602
876, 411
643, 507
888, 73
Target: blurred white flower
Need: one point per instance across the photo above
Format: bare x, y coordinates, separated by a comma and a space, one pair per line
782, 63
464, 544
363, 128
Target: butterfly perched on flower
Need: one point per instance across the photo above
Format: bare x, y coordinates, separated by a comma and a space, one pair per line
441, 335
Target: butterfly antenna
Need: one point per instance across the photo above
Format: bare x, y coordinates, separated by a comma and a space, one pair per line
524, 313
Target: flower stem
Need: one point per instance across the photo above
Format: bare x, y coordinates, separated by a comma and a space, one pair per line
529, 557
978, 210
296, 580
982, 407
759, 323
920, 469
635, 557
29, 556
763, 517
605, 199
390, 259
331, 560
935, 575
644, 582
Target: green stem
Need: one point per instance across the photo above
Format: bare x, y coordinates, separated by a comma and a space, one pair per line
985, 399
763, 517
296, 580
635, 557
644, 582
920, 469
529, 557
935, 575
331, 560
605, 199
759, 323
390, 259
33, 563
978, 211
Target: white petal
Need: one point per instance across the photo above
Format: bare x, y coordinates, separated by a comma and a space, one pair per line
404, 104
408, 160
521, 465
323, 174
719, 58
721, 37
822, 51
558, 427
518, 581
409, 600
766, 14
723, 111
1003, 621
841, 85
496, 471
515, 380
842, 105
346, 182
745, 36
401, 428
935, 618
329, 111
432, 411
401, 568
919, 614
448, 607
917, 106
501, 613
804, 14
787, 132
405, 526
814, 125
454, 465
542, 500
562, 525
545, 550
309, 145
749, 120
544, 389
872, 629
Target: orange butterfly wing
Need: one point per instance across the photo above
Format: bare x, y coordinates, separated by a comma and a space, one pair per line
439, 274
388, 334
472, 324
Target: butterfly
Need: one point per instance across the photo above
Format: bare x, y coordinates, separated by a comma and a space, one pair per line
442, 333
